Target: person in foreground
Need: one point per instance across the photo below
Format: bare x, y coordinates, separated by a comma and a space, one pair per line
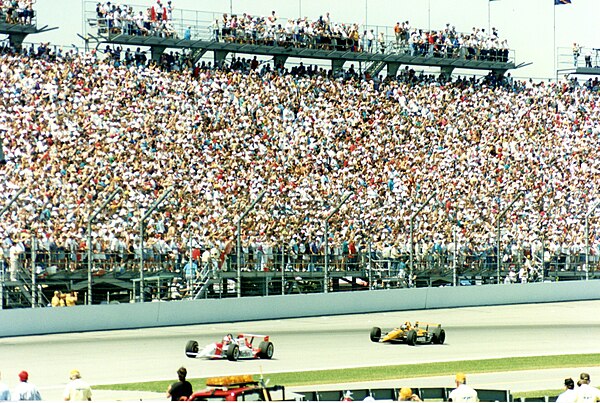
25, 390
462, 393
77, 389
181, 388
585, 392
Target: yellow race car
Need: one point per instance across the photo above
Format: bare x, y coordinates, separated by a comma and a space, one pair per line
420, 332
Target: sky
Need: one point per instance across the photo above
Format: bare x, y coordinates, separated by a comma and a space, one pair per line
536, 30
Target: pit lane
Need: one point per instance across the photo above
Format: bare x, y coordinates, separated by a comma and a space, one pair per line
316, 343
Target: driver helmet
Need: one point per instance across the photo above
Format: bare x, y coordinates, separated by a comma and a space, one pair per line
228, 338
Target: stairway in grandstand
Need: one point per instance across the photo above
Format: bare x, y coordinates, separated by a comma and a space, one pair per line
19, 293
376, 67
204, 281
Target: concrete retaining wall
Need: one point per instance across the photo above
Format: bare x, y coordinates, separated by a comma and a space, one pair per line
19, 322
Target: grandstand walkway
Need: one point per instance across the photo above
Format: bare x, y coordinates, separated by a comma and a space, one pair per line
336, 50
280, 54
18, 32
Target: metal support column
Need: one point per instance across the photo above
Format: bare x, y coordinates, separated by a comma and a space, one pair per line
454, 273
142, 223
392, 69
219, 57
279, 60
498, 222
412, 242
238, 248
33, 274
89, 241
4, 209
337, 65
156, 53
587, 240
326, 270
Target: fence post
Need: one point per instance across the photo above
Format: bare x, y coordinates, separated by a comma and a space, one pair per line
370, 267
33, 276
142, 223
326, 269
499, 219
454, 273
587, 240
412, 224
89, 240
239, 241
4, 209
283, 267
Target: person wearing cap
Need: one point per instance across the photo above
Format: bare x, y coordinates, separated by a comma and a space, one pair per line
586, 392
569, 395
462, 393
25, 390
181, 388
407, 395
77, 389
4, 391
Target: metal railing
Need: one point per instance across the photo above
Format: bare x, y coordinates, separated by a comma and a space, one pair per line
578, 57
207, 26
16, 17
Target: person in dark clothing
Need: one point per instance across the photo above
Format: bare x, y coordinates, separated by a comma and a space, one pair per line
181, 388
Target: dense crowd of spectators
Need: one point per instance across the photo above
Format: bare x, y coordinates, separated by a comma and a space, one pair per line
76, 127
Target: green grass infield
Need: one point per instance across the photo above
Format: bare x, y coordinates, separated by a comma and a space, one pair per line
393, 372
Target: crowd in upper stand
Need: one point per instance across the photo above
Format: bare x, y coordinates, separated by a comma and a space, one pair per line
76, 127
17, 12
321, 33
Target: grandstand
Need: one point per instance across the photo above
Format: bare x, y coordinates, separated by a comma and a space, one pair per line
133, 180
281, 39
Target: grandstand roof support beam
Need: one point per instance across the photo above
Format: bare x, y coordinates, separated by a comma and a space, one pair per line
197, 55
238, 247
91, 220
156, 52
412, 241
326, 270
142, 224
499, 219
220, 56
4, 209
447, 70
587, 239
16, 40
279, 60
337, 65
392, 69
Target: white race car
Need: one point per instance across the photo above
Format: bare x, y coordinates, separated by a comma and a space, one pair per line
233, 348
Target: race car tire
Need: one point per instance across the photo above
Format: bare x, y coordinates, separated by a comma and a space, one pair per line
266, 350
191, 349
233, 352
440, 337
411, 337
375, 334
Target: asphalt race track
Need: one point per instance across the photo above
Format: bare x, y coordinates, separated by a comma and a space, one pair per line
317, 343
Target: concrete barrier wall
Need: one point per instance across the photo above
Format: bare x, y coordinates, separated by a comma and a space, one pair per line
19, 322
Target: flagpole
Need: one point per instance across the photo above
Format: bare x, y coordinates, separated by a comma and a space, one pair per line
554, 39
429, 15
489, 24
